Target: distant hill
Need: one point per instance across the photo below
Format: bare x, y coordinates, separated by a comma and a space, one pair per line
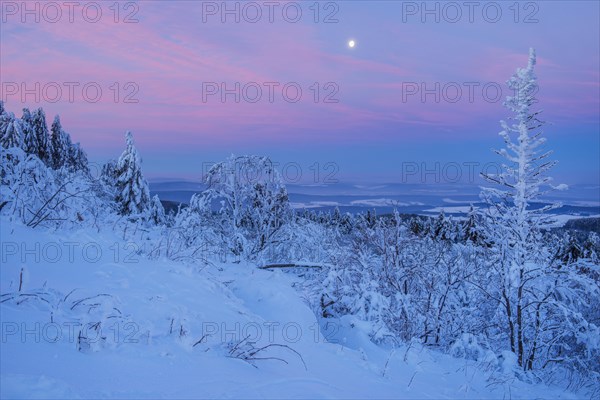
584, 224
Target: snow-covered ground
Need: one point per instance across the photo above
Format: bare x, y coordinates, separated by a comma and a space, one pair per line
94, 319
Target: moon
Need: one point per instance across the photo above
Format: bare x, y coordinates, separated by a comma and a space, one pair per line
351, 43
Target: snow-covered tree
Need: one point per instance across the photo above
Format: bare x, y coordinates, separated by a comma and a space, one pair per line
539, 305
40, 129
109, 174
25, 182
470, 230
442, 228
37, 194
77, 158
132, 192
3, 118
251, 200
157, 211
30, 140
12, 131
60, 144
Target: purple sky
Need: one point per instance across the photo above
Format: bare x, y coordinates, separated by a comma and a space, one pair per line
176, 48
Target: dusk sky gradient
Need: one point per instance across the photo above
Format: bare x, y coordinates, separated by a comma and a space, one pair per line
369, 133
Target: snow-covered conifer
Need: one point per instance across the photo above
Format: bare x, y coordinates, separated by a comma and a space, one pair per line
60, 144
157, 211
12, 134
539, 305
132, 194
30, 140
77, 158
40, 128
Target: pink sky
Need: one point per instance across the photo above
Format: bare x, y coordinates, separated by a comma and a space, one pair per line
170, 53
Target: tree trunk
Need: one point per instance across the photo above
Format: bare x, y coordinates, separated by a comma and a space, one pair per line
511, 327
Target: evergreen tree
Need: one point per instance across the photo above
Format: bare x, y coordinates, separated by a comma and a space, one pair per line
40, 129
3, 117
60, 144
469, 230
539, 305
30, 139
133, 194
441, 227
109, 174
77, 158
12, 133
157, 211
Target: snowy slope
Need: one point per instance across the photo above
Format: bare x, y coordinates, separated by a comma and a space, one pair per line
153, 313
